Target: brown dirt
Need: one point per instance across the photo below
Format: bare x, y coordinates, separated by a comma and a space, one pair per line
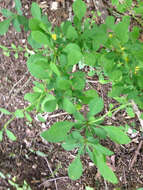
17, 158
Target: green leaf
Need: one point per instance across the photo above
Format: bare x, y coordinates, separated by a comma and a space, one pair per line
16, 55
122, 30
28, 117
71, 46
130, 112
34, 24
68, 106
62, 83
75, 169
103, 150
57, 132
74, 57
42, 154
5, 111
38, 66
100, 132
116, 135
32, 97
141, 116
138, 10
74, 53
10, 135
55, 69
49, 103
40, 118
104, 170
70, 143
36, 11
96, 105
91, 93
69, 146
23, 21
19, 113
40, 37
4, 25
71, 33
16, 25
78, 116
89, 188
78, 80
99, 36
18, 6
76, 135
116, 75
79, 8
90, 59
135, 33
6, 13
33, 43
110, 22
1, 135
6, 53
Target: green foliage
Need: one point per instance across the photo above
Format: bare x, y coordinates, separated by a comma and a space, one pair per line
36, 11
105, 171
58, 131
75, 169
79, 8
4, 25
5, 111
10, 135
109, 50
18, 6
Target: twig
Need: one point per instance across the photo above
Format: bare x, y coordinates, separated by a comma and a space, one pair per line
17, 83
54, 179
92, 81
136, 154
125, 177
138, 113
51, 173
15, 93
106, 186
57, 115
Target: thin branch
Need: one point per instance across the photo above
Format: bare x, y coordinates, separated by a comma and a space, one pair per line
138, 113
16, 91
136, 154
57, 115
54, 179
17, 83
51, 172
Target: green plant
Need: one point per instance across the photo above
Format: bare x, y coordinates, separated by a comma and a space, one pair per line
12, 182
111, 48
134, 9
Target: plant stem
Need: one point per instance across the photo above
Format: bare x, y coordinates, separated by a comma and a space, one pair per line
9, 121
119, 108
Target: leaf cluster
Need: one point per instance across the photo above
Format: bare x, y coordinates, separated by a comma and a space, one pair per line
57, 50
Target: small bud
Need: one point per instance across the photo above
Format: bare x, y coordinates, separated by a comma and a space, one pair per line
54, 37
137, 69
122, 48
110, 35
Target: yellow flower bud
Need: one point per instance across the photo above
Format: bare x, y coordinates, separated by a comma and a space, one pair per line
137, 69
54, 36
122, 48
126, 59
110, 35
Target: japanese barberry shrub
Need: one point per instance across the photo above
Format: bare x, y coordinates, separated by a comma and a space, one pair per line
56, 50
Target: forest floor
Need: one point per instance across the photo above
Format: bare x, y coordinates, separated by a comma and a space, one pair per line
20, 159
